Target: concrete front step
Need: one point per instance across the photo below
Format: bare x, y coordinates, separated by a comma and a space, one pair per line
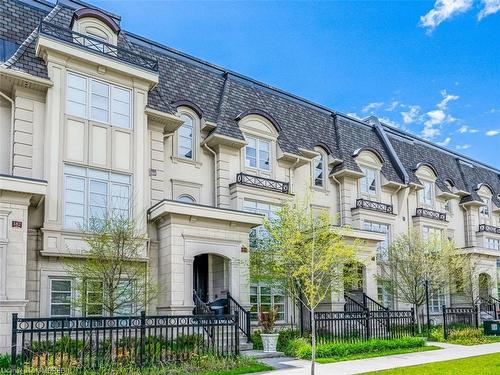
260, 354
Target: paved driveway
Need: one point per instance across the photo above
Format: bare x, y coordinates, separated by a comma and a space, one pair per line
290, 366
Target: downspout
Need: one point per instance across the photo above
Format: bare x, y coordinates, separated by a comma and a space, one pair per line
340, 198
466, 222
215, 171
11, 159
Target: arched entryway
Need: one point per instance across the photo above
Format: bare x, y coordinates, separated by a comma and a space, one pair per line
211, 275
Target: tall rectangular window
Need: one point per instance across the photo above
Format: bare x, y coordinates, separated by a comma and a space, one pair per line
267, 209
436, 301
426, 195
429, 232
486, 209
264, 298
368, 183
257, 153
94, 298
185, 138
92, 194
76, 95
60, 297
493, 244
97, 100
318, 170
382, 247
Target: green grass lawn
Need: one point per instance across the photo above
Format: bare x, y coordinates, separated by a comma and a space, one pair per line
376, 354
481, 365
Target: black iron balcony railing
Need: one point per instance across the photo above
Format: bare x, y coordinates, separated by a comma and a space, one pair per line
431, 214
488, 228
262, 182
374, 206
97, 46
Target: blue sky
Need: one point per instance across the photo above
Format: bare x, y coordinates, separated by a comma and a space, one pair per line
429, 67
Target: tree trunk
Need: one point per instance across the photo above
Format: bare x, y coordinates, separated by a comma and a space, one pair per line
313, 342
419, 324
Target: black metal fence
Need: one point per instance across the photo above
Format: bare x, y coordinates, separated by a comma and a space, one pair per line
458, 317
49, 345
351, 326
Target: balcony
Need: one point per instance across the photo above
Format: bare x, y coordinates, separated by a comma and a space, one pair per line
95, 45
262, 183
374, 206
430, 214
488, 228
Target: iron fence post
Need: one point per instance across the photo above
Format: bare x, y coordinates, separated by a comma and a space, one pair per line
143, 333
13, 350
445, 327
412, 321
476, 316
237, 331
368, 330
249, 327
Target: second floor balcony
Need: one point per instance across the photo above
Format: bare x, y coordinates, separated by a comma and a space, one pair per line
96, 45
262, 183
430, 214
488, 228
374, 206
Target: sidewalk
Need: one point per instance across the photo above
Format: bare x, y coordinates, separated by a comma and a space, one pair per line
292, 366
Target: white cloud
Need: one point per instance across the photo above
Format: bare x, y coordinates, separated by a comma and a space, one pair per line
445, 142
443, 10
443, 104
462, 147
492, 133
489, 7
390, 122
411, 115
392, 106
372, 106
354, 114
436, 117
465, 129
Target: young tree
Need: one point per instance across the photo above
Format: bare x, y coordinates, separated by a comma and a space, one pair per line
413, 261
303, 255
113, 276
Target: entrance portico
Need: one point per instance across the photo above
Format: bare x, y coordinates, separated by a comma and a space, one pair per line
200, 248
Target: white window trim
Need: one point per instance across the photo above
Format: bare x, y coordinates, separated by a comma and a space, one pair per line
421, 194
87, 180
50, 303
257, 170
88, 105
367, 194
324, 165
259, 303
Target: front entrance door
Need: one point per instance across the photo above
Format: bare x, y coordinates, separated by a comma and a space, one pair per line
200, 276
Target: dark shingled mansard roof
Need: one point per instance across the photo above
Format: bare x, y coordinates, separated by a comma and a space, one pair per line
222, 95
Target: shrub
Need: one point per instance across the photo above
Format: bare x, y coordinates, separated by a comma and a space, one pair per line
297, 346
4, 362
333, 350
285, 336
467, 336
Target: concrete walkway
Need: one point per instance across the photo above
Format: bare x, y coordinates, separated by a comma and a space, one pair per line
290, 366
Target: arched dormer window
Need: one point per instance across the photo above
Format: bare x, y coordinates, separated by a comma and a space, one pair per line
485, 194
186, 198
370, 164
258, 156
319, 165
427, 176
187, 136
95, 24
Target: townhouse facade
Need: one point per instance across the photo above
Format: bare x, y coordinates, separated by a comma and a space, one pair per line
95, 119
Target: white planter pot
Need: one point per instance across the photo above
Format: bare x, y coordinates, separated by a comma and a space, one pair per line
269, 341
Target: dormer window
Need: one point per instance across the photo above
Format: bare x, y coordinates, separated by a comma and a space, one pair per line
257, 153
486, 209
426, 195
368, 183
186, 138
319, 170
97, 25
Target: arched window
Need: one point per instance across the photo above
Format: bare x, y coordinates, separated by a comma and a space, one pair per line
186, 198
185, 133
319, 170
